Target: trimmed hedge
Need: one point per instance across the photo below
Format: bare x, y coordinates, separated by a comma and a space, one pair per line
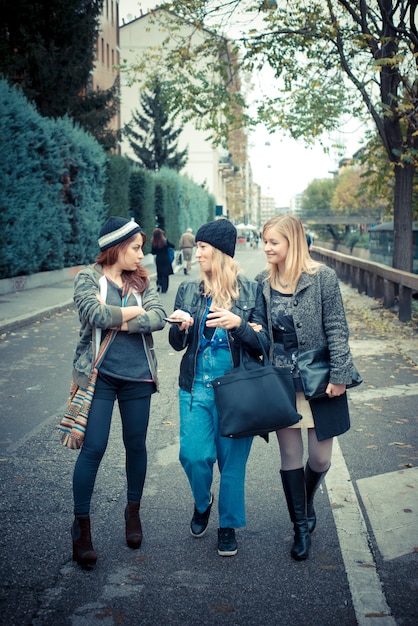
57, 187
183, 204
51, 190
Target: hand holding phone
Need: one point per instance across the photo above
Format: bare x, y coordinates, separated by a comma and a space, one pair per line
182, 318
174, 320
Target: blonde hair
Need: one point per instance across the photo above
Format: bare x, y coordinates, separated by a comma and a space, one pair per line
222, 283
298, 259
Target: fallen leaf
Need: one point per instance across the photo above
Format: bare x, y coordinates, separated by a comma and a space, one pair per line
223, 608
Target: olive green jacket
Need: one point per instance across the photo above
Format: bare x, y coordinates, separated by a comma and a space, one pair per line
96, 316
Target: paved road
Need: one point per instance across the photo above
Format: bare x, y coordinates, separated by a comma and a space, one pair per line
363, 563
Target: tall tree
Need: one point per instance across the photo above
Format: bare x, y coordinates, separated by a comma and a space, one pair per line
151, 132
48, 48
325, 58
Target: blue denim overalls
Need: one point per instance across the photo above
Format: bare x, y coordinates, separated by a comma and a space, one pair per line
200, 442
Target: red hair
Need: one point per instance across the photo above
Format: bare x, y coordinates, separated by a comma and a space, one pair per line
158, 238
138, 279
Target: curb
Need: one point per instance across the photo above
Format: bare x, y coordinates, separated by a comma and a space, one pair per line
35, 316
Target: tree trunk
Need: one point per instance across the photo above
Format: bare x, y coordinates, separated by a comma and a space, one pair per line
402, 223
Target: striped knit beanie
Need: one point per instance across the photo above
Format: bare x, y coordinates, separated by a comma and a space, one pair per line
115, 230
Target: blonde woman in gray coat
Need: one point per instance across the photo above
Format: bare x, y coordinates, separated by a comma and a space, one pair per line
305, 312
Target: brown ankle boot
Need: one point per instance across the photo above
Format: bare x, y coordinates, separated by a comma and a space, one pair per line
83, 552
133, 525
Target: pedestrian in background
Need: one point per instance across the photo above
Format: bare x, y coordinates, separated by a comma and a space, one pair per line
186, 245
305, 311
115, 293
160, 248
216, 310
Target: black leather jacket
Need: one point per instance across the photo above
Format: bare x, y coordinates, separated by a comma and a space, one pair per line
249, 306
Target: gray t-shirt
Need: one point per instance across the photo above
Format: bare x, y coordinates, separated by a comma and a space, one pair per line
126, 357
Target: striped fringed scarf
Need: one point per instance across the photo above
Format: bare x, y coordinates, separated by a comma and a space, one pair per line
74, 421
72, 427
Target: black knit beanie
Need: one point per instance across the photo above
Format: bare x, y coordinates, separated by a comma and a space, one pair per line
221, 234
115, 230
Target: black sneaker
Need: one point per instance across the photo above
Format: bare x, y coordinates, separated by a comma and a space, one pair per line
200, 521
227, 545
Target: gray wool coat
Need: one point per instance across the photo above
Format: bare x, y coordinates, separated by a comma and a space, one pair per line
319, 319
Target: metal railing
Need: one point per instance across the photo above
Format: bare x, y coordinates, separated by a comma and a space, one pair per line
374, 279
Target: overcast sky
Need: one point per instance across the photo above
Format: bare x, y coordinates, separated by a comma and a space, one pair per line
281, 166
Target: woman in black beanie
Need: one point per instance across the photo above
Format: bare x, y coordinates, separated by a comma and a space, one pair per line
217, 314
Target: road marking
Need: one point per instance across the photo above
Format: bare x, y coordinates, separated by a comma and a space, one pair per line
369, 601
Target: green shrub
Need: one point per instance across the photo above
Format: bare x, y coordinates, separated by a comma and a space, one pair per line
141, 201
52, 186
118, 171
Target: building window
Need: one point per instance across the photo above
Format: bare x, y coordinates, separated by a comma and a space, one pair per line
113, 59
112, 17
107, 55
103, 59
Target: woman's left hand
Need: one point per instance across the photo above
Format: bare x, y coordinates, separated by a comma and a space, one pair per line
222, 318
333, 390
257, 327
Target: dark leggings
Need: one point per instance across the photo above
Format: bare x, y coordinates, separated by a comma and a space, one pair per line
135, 417
162, 281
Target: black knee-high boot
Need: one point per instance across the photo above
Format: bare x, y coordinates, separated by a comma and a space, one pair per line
295, 492
312, 480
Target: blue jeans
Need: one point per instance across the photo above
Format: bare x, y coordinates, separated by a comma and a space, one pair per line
201, 444
135, 416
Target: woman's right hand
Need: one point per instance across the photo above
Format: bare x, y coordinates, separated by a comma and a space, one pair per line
187, 320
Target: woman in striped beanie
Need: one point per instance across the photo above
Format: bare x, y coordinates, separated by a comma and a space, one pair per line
115, 294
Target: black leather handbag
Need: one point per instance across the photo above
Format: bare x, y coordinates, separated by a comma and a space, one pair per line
255, 398
314, 368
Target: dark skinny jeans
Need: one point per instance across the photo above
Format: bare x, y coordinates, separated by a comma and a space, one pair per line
135, 416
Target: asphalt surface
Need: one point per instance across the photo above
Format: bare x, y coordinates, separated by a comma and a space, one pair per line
363, 563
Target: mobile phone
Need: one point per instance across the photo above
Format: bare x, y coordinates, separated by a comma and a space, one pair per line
174, 320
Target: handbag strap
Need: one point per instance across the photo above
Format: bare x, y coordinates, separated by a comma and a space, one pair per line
263, 352
104, 346
107, 340
109, 337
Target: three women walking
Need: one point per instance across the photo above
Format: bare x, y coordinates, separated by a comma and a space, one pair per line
294, 306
